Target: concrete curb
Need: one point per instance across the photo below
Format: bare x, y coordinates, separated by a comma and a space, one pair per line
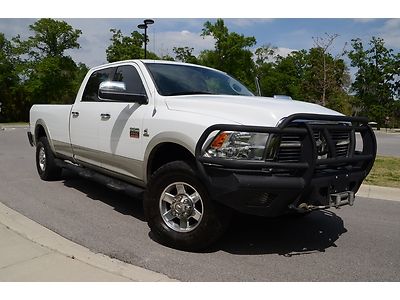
379, 192
38, 234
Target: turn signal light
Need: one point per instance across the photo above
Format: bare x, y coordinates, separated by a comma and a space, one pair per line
220, 140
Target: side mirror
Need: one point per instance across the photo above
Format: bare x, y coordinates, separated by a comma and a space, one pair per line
116, 91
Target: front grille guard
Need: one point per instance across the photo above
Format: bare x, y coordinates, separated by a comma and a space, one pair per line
308, 164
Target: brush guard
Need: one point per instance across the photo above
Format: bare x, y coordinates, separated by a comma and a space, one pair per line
314, 180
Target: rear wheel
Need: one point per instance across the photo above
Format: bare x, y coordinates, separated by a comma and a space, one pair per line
179, 210
45, 161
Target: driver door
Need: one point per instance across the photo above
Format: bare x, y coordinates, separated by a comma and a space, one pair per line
121, 132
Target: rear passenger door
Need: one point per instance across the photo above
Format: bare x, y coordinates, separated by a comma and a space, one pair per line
121, 132
86, 120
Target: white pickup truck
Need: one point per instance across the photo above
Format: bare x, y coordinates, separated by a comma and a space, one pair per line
200, 144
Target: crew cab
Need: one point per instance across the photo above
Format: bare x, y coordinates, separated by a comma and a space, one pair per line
198, 144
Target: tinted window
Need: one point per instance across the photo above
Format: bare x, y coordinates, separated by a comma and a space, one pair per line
130, 76
174, 79
91, 90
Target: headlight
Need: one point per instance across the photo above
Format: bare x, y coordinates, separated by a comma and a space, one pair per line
238, 145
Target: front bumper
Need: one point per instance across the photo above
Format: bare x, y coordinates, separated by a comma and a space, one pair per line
272, 187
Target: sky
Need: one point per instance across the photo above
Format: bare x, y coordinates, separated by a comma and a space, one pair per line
165, 33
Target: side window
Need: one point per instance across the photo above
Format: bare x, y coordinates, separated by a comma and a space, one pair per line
130, 76
92, 86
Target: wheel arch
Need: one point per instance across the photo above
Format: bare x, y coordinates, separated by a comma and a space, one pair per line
164, 149
42, 130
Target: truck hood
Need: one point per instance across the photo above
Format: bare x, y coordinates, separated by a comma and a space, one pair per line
256, 111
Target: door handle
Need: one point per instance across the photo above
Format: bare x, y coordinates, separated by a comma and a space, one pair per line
75, 114
105, 116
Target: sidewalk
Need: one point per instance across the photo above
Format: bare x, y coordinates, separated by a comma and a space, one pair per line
31, 252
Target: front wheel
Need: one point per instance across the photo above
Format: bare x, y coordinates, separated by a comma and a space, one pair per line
179, 210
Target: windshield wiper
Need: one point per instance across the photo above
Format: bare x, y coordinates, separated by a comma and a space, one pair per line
189, 93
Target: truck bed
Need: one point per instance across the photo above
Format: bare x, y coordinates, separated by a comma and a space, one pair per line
56, 118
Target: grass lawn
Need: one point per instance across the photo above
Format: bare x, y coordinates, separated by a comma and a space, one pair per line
14, 123
385, 172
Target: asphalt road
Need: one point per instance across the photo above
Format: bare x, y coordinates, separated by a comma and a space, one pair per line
388, 143
359, 243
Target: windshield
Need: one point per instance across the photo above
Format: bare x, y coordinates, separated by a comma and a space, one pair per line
174, 79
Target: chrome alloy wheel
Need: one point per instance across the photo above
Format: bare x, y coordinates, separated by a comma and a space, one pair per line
42, 159
181, 207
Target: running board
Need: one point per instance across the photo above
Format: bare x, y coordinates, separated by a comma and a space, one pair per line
111, 183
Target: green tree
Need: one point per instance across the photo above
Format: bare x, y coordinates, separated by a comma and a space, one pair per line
80, 73
185, 54
298, 75
326, 77
9, 80
48, 74
324, 65
53, 80
127, 47
265, 54
50, 38
395, 109
283, 76
167, 57
377, 77
231, 54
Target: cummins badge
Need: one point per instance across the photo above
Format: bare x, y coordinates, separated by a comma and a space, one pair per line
134, 133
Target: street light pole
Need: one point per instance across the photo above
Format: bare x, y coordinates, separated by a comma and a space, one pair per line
144, 26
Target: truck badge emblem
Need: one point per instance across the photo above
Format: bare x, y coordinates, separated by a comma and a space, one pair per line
134, 133
322, 146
